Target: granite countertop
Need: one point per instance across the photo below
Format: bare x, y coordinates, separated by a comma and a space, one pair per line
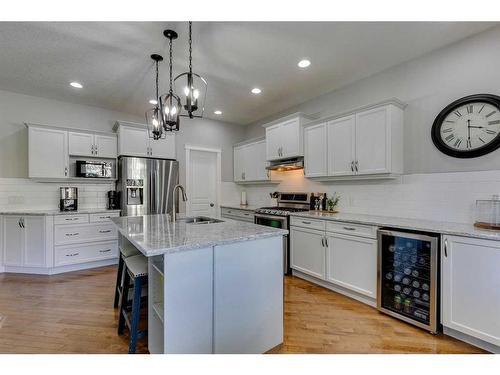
444, 227
240, 207
49, 212
157, 234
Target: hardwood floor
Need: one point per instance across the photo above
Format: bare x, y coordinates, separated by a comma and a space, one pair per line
73, 313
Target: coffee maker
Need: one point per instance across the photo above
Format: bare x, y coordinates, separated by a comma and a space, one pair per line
113, 200
68, 200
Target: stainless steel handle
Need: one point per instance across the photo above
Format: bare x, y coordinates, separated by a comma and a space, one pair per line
326, 241
105, 251
104, 217
229, 212
446, 247
72, 255
72, 234
352, 166
105, 231
22, 222
71, 219
19, 223
306, 222
323, 241
246, 214
349, 228
96, 150
65, 171
356, 165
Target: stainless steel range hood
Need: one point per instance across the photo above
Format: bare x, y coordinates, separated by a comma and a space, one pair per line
286, 164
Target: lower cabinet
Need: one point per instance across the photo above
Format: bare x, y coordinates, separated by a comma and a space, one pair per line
339, 259
308, 251
237, 214
351, 262
471, 287
24, 241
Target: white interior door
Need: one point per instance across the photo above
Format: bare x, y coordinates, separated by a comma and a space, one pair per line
203, 182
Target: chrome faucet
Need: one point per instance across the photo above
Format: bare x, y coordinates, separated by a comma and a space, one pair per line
184, 198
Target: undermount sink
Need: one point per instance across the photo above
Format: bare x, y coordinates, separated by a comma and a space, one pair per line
200, 220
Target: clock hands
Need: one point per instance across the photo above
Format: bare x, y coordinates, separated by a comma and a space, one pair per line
468, 129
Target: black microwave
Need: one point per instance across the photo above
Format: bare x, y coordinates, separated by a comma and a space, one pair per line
94, 169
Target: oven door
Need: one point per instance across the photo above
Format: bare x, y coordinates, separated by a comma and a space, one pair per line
282, 223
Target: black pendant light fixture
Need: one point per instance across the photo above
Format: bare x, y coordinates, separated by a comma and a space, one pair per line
154, 118
192, 86
170, 103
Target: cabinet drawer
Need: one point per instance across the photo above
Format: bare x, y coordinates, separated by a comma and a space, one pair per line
103, 217
352, 229
85, 253
66, 234
307, 223
71, 219
244, 214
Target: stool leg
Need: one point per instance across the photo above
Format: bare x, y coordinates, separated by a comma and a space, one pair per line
119, 278
123, 303
136, 313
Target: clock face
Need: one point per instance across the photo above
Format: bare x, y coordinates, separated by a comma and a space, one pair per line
469, 127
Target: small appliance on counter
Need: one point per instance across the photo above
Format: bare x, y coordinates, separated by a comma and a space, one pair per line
113, 200
317, 201
68, 200
408, 277
487, 213
94, 169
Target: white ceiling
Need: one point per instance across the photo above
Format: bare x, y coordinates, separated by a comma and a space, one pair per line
112, 59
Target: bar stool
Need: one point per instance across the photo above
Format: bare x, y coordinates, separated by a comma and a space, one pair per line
126, 250
136, 276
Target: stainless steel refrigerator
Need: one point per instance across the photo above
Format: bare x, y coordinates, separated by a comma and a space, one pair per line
145, 185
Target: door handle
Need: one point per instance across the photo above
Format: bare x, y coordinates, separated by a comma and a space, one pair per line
22, 222
211, 204
446, 247
326, 241
356, 166
349, 228
323, 241
19, 223
105, 231
105, 251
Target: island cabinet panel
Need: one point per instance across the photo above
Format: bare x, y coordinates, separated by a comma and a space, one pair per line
248, 296
187, 303
471, 288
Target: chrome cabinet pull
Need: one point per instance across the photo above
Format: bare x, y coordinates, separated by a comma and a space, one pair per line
306, 222
71, 219
352, 166
19, 223
22, 222
104, 217
65, 171
105, 231
72, 255
72, 234
446, 247
105, 251
356, 164
326, 241
349, 228
323, 241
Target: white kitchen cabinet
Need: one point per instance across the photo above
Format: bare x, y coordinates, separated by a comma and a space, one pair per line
471, 287
249, 162
341, 146
315, 146
351, 262
364, 143
308, 251
92, 145
284, 139
47, 152
134, 140
24, 241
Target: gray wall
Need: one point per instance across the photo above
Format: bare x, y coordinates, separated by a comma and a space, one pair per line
15, 109
427, 84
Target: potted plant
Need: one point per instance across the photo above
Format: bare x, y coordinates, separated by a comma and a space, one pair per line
332, 203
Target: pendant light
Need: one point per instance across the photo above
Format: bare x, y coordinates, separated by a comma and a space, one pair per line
153, 116
193, 87
170, 103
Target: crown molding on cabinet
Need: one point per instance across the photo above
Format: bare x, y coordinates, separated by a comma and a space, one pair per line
301, 115
78, 130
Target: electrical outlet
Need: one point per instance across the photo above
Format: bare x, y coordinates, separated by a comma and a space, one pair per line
16, 199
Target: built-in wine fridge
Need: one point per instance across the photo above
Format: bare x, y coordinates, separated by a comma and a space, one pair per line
407, 277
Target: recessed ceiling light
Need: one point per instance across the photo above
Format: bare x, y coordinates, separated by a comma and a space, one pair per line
304, 63
218, 112
153, 101
76, 85
256, 90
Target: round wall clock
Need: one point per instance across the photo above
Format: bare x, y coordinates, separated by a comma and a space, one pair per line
468, 127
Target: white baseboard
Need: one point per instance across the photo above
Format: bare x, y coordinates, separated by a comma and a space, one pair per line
346, 292
471, 340
61, 269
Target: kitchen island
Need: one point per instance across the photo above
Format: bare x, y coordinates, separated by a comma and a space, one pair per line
213, 288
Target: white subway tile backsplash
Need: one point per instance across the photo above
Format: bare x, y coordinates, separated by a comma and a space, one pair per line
434, 196
19, 193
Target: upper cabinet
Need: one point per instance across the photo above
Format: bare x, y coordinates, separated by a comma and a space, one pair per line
92, 145
133, 140
53, 151
367, 143
47, 152
284, 139
250, 162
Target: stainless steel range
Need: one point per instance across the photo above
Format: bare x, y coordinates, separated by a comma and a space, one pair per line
278, 217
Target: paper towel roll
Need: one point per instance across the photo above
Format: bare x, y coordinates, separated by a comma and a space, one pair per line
243, 198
